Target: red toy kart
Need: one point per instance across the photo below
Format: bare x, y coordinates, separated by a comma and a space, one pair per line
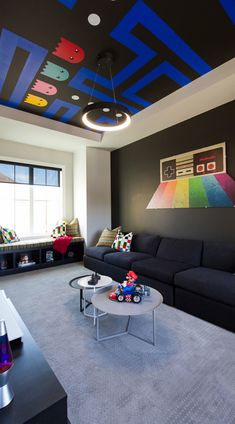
129, 291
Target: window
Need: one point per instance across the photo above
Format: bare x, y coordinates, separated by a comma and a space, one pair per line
31, 198
7, 173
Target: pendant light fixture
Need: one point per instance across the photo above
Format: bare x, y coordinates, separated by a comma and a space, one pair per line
105, 116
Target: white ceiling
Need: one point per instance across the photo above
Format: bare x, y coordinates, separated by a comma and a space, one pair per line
205, 93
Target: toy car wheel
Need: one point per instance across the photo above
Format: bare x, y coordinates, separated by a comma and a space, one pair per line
136, 298
120, 298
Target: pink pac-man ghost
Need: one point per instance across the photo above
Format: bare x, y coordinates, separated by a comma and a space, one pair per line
69, 51
44, 87
35, 100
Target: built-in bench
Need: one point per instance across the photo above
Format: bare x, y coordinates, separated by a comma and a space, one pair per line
37, 252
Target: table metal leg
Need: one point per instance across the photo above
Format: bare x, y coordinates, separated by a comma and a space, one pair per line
152, 342
154, 330
81, 299
128, 322
100, 339
84, 303
95, 315
98, 329
95, 312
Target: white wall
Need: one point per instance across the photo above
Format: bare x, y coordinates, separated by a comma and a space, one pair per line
10, 150
80, 189
98, 193
92, 191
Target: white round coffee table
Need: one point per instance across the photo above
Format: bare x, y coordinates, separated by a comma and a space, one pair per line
102, 303
85, 288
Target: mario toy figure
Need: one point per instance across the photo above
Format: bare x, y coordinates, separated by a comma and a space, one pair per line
128, 291
130, 279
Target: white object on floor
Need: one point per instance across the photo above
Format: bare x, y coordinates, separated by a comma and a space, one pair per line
9, 314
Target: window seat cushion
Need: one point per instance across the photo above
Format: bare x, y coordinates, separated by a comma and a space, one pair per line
32, 243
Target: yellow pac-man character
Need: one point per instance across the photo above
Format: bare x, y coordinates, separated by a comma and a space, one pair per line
35, 100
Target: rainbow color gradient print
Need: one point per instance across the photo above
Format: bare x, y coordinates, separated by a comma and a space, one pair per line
195, 179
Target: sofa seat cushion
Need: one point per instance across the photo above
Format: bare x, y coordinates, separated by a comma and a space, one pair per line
159, 268
181, 250
98, 252
125, 259
208, 282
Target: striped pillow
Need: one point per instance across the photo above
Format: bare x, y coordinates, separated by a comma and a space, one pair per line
72, 228
107, 237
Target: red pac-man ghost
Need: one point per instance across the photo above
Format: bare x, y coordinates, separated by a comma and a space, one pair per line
69, 51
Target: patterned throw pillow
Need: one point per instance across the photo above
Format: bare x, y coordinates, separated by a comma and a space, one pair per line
122, 242
1, 238
59, 230
107, 237
9, 236
72, 228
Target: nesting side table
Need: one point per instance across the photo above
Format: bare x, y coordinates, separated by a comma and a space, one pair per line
87, 289
102, 303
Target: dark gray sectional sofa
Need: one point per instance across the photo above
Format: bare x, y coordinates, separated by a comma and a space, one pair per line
192, 275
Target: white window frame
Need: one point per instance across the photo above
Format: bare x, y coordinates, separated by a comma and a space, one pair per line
63, 191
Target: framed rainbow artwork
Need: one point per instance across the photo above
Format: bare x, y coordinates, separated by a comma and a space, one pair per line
196, 179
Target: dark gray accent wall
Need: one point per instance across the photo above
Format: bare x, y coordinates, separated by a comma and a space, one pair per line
135, 177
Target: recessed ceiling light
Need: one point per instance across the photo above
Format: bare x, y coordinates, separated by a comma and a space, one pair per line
94, 19
118, 115
75, 97
90, 103
106, 109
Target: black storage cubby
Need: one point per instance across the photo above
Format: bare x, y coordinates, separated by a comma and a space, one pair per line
49, 254
27, 258
37, 258
6, 261
73, 253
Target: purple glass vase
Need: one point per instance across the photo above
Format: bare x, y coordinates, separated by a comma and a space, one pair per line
6, 360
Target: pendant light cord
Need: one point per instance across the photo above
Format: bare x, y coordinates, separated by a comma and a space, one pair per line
94, 83
111, 78
114, 96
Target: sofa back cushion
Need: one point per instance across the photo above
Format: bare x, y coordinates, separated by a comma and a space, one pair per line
219, 256
180, 250
145, 243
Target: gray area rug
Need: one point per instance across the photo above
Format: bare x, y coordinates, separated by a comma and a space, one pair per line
189, 378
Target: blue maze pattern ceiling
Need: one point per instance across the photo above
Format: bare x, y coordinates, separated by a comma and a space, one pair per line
48, 51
